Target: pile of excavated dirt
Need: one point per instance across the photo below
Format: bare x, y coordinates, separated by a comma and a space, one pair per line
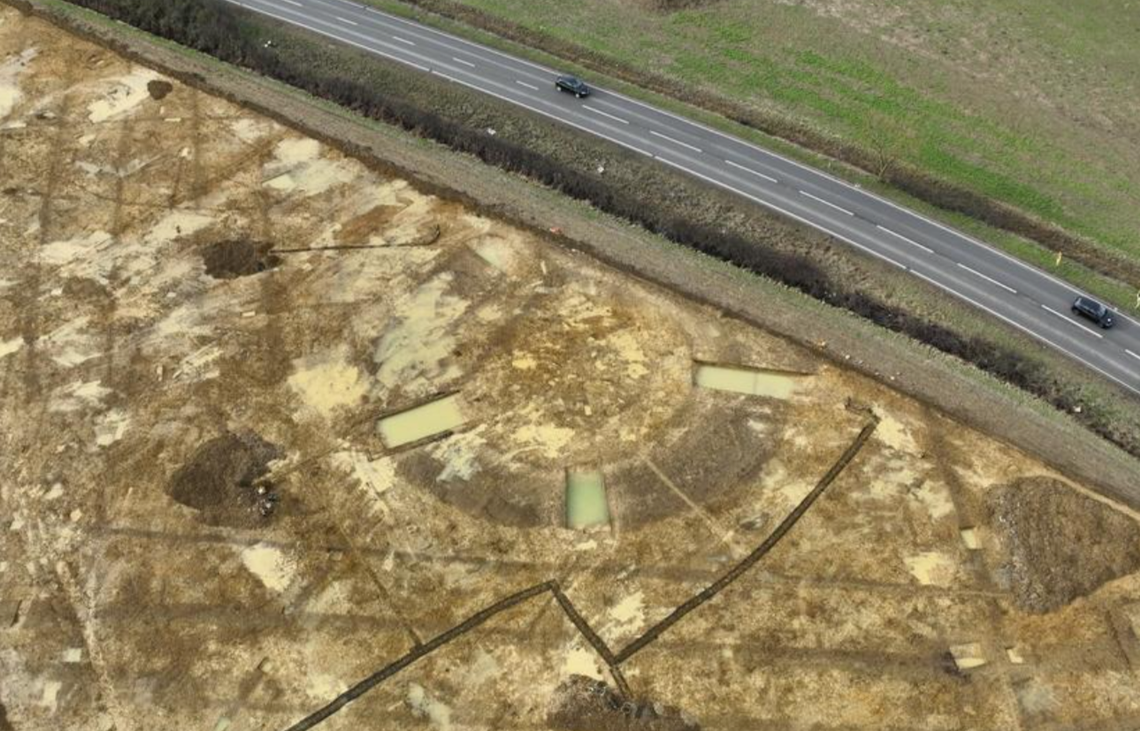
222, 480
584, 703
158, 89
1060, 544
231, 259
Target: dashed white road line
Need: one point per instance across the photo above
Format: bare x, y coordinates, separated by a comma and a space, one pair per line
465, 63
605, 114
529, 86
786, 212
676, 142
991, 280
1137, 357
1031, 333
728, 187
1071, 321
826, 203
899, 236
539, 110
403, 40
327, 34
346, 21
757, 173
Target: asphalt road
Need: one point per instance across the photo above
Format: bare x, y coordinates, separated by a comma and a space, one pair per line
1025, 297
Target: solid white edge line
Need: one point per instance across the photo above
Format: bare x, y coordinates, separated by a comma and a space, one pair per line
340, 39
991, 280
403, 40
1071, 321
694, 148
769, 178
544, 113
605, 114
1137, 357
912, 242
826, 203
785, 212
721, 134
293, 2
465, 63
1030, 333
346, 21
737, 140
532, 87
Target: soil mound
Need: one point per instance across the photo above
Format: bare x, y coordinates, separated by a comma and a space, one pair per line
222, 480
158, 89
231, 259
585, 703
1061, 544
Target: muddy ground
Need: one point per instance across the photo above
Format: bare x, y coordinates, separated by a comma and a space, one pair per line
204, 318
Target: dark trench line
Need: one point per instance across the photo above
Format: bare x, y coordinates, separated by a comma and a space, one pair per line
612, 660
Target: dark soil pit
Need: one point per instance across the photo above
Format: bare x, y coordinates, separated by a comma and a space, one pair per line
158, 89
223, 482
238, 258
1061, 545
584, 703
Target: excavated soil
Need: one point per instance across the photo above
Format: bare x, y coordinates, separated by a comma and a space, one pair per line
1062, 545
583, 703
151, 410
158, 89
232, 259
221, 480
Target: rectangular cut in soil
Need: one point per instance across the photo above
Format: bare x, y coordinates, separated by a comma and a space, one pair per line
752, 381
586, 505
423, 421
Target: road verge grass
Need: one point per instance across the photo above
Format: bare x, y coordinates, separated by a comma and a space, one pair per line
751, 237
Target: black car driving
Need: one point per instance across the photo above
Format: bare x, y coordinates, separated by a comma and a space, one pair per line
1093, 310
573, 85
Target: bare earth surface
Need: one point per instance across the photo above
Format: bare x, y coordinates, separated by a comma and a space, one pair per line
208, 519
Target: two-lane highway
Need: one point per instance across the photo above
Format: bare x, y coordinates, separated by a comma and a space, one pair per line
1024, 297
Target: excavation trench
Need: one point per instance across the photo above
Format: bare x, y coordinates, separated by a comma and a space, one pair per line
612, 660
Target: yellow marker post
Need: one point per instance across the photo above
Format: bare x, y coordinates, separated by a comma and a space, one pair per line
1060, 256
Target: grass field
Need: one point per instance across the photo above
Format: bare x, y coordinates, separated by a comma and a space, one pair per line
1034, 104
680, 207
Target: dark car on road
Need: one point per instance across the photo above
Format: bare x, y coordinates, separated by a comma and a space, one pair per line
1093, 310
573, 85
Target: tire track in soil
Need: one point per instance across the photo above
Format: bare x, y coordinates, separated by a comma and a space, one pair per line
613, 660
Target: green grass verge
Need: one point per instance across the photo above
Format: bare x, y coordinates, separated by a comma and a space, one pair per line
904, 103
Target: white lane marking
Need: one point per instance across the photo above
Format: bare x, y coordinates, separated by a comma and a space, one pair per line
605, 114
784, 211
1137, 357
529, 86
1071, 321
826, 203
346, 21
628, 146
724, 135
912, 242
676, 141
403, 40
536, 110
1028, 332
991, 280
862, 191
757, 173
335, 37
293, 2
465, 63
